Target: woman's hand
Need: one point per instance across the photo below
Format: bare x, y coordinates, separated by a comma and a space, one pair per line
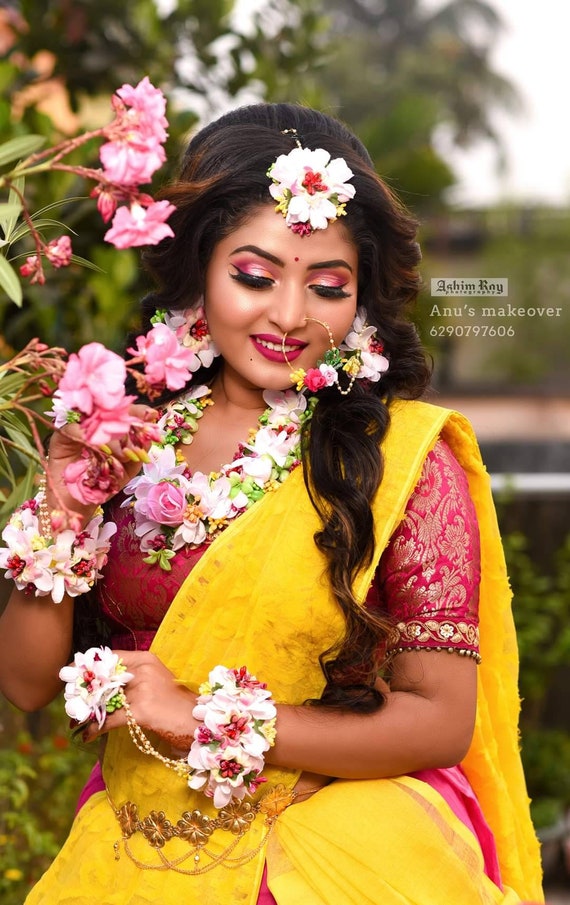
158, 702
66, 446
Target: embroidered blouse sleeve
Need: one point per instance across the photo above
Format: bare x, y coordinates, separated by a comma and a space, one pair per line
428, 577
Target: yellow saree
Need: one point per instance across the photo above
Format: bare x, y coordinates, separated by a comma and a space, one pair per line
258, 598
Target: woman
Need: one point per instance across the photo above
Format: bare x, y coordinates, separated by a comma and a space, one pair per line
365, 558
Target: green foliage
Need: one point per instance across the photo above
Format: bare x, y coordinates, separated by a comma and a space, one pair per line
40, 780
198, 54
546, 759
541, 606
402, 70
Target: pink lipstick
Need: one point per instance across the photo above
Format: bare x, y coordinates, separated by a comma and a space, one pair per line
271, 347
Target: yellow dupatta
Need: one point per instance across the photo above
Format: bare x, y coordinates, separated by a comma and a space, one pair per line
259, 597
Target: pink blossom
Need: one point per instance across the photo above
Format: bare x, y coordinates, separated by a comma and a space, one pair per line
106, 201
59, 251
147, 107
166, 503
104, 425
134, 150
93, 479
130, 162
315, 380
32, 267
94, 378
166, 362
137, 225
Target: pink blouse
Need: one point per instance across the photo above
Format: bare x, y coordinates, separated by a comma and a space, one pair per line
427, 580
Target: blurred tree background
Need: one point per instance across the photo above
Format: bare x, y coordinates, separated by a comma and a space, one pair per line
404, 76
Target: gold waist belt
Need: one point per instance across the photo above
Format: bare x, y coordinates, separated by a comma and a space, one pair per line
196, 829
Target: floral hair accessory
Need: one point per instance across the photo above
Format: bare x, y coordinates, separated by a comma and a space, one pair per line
237, 727
93, 684
310, 188
359, 355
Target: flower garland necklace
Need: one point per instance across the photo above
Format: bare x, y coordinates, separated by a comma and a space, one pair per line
174, 508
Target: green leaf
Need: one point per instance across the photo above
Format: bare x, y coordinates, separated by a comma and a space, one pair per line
8, 211
9, 281
22, 491
23, 229
20, 148
85, 263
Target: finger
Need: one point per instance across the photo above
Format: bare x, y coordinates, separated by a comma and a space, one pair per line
91, 732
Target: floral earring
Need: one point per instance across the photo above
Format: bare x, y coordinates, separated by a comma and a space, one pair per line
359, 356
191, 329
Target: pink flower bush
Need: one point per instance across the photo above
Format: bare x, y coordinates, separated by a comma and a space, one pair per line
130, 156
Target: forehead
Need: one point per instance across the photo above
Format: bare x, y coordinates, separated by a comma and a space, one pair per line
266, 229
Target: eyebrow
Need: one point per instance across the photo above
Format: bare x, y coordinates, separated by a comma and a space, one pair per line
338, 262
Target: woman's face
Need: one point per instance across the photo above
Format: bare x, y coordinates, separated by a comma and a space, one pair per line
265, 282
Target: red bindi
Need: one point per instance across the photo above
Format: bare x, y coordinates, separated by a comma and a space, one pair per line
296, 259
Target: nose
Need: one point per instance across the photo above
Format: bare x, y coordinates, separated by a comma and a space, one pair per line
288, 309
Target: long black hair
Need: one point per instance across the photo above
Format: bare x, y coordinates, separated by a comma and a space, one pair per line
222, 182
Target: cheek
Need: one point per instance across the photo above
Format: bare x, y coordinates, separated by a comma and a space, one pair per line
342, 321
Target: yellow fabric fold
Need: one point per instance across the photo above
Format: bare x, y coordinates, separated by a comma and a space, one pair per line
259, 597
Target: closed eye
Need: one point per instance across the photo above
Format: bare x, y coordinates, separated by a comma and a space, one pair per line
329, 292
251, 279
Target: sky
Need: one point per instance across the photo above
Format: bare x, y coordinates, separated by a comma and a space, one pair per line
534, 53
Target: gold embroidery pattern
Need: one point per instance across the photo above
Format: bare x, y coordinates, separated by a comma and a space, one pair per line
431, 573
450, 633
196, 829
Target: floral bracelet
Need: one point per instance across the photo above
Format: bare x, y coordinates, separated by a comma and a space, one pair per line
94, 683
237, 722
237, 727
54, 564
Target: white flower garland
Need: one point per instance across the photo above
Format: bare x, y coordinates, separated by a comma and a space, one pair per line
174, 508
236, 713
238, 727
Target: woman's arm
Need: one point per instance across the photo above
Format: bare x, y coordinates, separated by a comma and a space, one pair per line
427, 721
36, 633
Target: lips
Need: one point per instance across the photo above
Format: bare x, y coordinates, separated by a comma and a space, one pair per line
271, 347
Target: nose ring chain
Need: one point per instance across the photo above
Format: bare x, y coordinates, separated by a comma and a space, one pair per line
316, 321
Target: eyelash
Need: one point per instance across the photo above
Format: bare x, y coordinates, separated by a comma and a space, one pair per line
251, 280
258, 282
329, 292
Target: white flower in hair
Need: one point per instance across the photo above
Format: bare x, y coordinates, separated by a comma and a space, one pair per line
362, 338
310, 188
